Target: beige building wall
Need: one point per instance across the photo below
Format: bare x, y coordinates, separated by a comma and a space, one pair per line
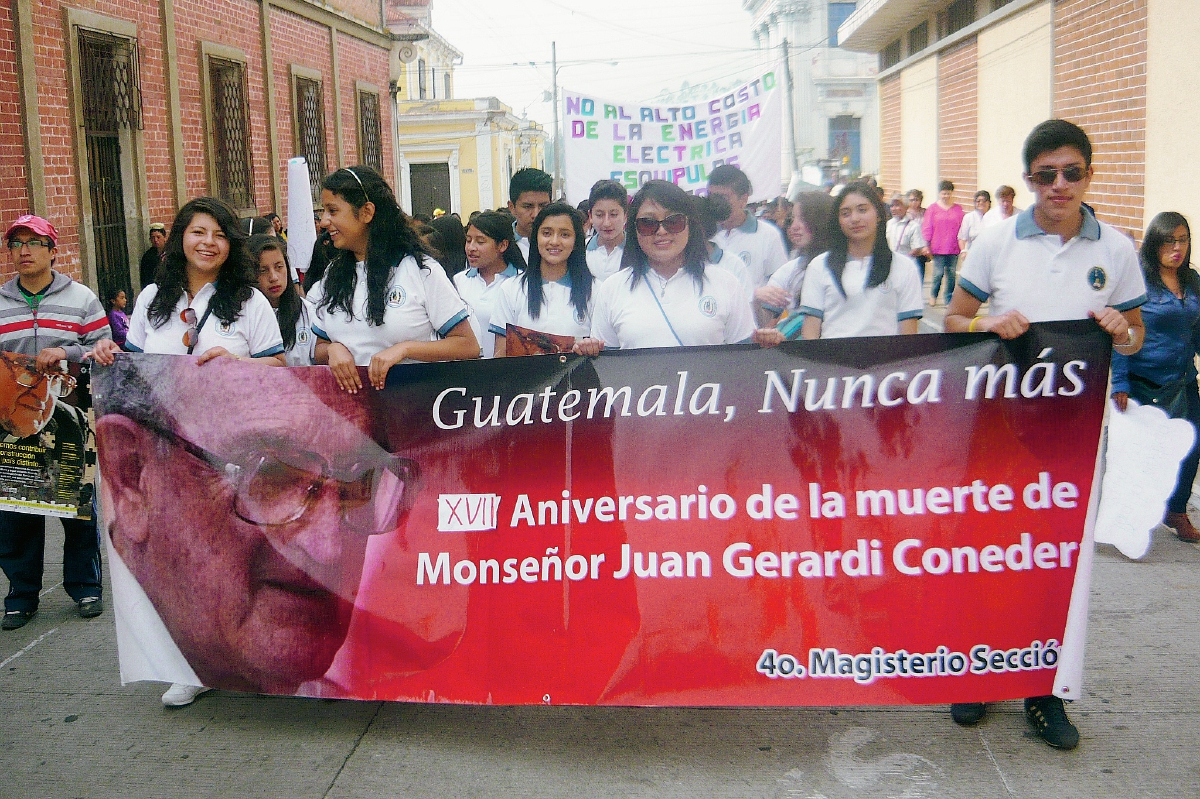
918, 128
1015, 80
1172, 110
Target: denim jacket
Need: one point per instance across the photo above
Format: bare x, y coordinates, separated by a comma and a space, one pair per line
1172, 341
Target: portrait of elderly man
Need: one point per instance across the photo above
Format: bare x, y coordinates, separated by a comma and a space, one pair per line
239, 502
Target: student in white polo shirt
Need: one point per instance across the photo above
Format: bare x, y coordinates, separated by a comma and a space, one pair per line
608, 206
384, 300
1054, 261
759, 244
206, 303
554, 294
493, 258
270, 262
859, 287
668, 294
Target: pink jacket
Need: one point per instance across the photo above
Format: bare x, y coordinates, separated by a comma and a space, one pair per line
940, 228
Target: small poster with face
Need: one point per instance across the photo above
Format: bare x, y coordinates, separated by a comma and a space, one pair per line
523, 341
45, 439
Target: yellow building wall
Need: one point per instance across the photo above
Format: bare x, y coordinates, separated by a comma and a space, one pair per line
1173, 111
1015, 79
918, 128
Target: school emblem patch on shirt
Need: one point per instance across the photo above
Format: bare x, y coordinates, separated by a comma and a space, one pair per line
745, 256
1097, 278
396, 297
225, 329
302, 335
708, 306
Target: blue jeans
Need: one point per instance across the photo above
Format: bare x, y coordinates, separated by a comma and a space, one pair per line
1191, 464
23, 550
944, 265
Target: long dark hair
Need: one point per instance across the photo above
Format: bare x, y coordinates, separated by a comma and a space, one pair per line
577, 268
454, 242
1162, 227
839, 245
288, 312
391, 238
678, 201
498, 227
235, 282
815, 208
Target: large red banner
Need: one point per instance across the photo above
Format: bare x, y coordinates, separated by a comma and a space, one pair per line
865, 521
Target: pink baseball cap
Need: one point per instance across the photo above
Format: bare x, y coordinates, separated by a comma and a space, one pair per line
36, 224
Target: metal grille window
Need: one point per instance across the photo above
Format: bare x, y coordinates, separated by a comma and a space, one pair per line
959, 15
108, 76
918, 38
421, 86
310, 130
370, 145
890, 56
231, 133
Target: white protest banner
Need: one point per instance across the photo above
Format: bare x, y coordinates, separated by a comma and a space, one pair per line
635, 142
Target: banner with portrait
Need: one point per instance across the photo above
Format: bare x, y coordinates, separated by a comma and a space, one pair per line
862, 521
44, 452
681, 142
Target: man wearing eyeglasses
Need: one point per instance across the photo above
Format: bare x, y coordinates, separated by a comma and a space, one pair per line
48, 316
238, 535
1053, 261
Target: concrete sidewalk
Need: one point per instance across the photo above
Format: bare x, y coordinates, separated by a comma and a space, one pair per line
70, 730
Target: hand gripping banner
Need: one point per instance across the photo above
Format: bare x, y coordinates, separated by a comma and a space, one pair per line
865, 521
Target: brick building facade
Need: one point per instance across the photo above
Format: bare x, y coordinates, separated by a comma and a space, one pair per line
114, 113
984, 72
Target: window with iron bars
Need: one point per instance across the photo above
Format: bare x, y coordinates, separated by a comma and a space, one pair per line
918, 38
890, 56
370, 138
959, 15
232, 165
310, 130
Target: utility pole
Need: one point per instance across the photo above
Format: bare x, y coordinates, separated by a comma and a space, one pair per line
558, 170
791, 105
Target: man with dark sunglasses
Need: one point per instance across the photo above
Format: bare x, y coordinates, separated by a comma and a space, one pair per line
50, 317
1053, 261
239, 505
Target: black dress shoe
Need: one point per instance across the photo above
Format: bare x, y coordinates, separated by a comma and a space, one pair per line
91, 606
16, 619
967, 713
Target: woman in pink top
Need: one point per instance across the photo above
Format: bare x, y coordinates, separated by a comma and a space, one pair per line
940, 228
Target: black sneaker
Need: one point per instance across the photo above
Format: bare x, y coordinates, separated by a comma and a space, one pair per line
90, 607
1048, 716
967, 714
16, 619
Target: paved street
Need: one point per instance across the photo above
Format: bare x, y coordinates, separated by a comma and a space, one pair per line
70, 730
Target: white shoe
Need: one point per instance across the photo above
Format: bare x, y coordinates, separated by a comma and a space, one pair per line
182, 695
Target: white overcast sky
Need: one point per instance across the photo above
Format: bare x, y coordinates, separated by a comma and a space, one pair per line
656, 46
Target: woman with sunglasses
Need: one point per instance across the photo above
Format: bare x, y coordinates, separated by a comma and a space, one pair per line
205, 300
384, 299
1163, 371
493, 258
667, 294
859, 287
270, 262
554, 293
